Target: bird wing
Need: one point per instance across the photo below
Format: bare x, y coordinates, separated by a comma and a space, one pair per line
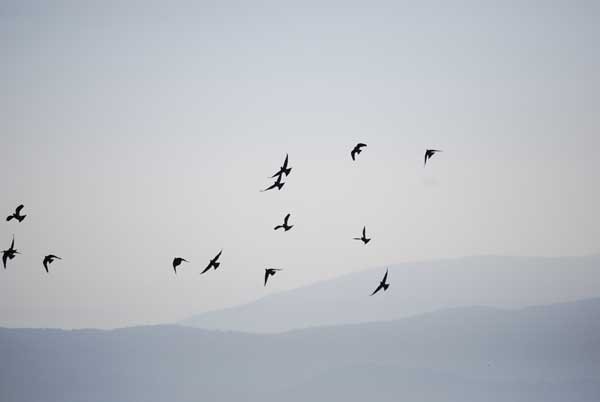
279, 173
218, 255
266, 276
12, 245
285, 162
385, 276
46, 264
209, 266
285, 220
353, 154
4, 256
19, 208
360, 145
426, 154
378, 289
365, 232
272, 186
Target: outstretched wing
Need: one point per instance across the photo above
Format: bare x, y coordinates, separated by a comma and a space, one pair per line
353, 154
266, 276
360, 145
364, 232
285, 220
218, 255
19, 208
378, 289
285, 163
46, 264
385, 277
271, 187
12, 245
209, 266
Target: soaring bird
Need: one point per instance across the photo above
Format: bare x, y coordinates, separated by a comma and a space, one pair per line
278, 183
213, 263
382, 284
49, 259
285, 225
16, 215
357, 150
283, 169
363, 238
270, 272
429, 153
10, 253
177, 262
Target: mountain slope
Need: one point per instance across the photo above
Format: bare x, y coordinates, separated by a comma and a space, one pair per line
548, 353
416, 288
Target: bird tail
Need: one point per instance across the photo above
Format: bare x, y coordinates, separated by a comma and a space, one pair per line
386, 286
367, 241
217, 264
20, 219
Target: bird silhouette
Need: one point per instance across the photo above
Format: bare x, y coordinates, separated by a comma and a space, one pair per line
270, 272
382, 284
49, 259
16, 215
363, 238
429, 153
177, 262
357, 150
283, 169
213, 263
278, 184
10, 253
285, 225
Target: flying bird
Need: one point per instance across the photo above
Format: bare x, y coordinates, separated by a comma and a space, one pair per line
363, 238
10, 253
49, 259
357, 150
429, 153
285, 225
16, 215
382, 284
213, 263
278, 184
283, 169
177, 262
270, 272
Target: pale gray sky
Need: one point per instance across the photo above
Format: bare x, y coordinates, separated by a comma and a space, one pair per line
139, 132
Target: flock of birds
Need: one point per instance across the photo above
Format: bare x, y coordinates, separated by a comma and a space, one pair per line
214, 263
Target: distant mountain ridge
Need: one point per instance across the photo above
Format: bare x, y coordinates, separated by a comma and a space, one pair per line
536, 354
419, 287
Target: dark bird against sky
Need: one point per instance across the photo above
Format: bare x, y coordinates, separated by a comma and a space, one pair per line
283, 169
270, 272
278, 184
357, 150
10, 253
49, 259
285, 225
363, 238
16, 215
429, 153
213, 263
177, 262
382, 284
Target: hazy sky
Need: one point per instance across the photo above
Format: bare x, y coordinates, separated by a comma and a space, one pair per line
136, 133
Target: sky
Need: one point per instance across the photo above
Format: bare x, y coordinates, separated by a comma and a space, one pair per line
135, 132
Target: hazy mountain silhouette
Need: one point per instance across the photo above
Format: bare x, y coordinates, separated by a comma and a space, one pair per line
420, 287
546, 354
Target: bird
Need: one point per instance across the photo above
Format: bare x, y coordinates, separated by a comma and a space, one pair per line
278, 183
429, 153
49, 259
16, 215
270, 272
363, 238
177, 262
10, 253
382, 284
283, 169
213, 263
357, 150
285, 225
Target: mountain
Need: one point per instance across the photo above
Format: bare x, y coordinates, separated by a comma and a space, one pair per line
546, 354
505, 282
